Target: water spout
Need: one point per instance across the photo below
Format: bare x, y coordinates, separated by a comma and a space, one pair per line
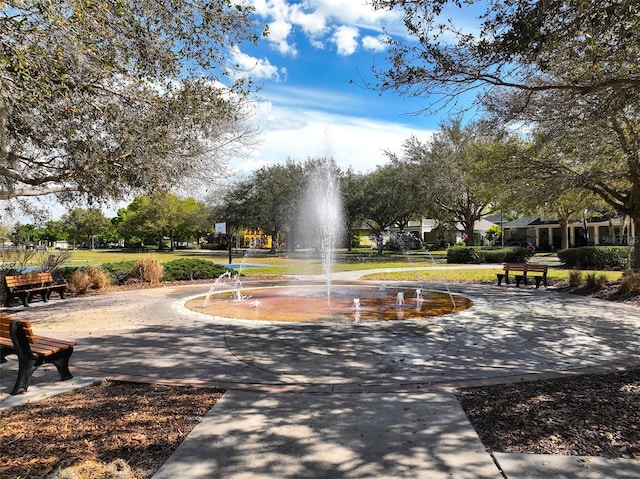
356, 304
322, 216
220, 281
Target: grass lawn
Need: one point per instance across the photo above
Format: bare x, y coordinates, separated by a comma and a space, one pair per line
352, 261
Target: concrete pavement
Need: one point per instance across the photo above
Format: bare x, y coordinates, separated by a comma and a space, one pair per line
344, 400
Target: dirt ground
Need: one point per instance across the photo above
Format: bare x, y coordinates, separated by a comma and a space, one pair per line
595, 415
140, 423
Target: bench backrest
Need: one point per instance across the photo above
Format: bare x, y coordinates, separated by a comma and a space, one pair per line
5, 329
514, 267
28, 279
525, 267
537, 268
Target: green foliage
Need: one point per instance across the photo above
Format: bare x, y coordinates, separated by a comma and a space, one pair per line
64, 274
464, 255
192, 268
493, 233
158, 215
595, 257
468, 255
119, 271
81, 224
131, 89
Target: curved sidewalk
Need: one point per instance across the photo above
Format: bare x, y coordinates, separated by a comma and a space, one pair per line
405, 419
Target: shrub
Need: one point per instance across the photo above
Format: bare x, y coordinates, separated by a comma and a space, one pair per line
149, 269
575, 278
472, 254
630, 284
595, 257
463, 255
594, 280
119, 271
80, 281
64, 274
83, 279
98, 279
403, 242
187, 269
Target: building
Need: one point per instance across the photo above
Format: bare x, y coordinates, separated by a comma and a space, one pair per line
547, 234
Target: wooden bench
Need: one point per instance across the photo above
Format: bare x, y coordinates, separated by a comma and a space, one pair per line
16, 337
540, 271
25, 286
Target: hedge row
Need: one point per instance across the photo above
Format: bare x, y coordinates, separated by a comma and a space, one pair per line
474, 254
183, 269
595, 257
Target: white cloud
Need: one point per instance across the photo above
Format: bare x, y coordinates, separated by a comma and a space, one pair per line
258, 68
317, 18
279, 32
302, 133
346, 39
312, 23
376, 44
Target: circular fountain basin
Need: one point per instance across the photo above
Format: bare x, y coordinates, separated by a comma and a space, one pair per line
310, 303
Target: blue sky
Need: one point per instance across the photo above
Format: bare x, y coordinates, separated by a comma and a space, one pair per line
312, 68
313, 103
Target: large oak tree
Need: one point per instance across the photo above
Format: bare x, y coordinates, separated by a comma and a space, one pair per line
569, 70
102, 99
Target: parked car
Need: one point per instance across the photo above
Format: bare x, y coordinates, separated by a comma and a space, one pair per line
522, 244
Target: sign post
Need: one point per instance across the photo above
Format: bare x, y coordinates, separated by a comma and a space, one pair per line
221, 229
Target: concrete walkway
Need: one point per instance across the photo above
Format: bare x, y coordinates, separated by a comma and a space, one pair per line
342, 400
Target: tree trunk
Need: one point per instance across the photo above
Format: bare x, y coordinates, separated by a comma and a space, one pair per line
564, 236
471, 240
635, 261
380, 243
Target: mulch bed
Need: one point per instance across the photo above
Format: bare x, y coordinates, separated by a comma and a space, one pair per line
140, 423
590, 415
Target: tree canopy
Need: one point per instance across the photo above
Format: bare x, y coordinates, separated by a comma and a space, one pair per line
515, 44
104, 99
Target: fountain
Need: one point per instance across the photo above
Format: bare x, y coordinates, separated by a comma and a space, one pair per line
317, 301
321, 217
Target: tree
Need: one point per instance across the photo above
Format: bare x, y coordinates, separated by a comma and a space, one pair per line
274, 199
515, 44
25, 234
566, 70
193, 220
453, 170
103, 99
54, 231
161, 215
380, 211
85, 224
352, 186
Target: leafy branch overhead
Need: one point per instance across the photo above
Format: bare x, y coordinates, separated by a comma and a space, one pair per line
533, 46
102, 99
